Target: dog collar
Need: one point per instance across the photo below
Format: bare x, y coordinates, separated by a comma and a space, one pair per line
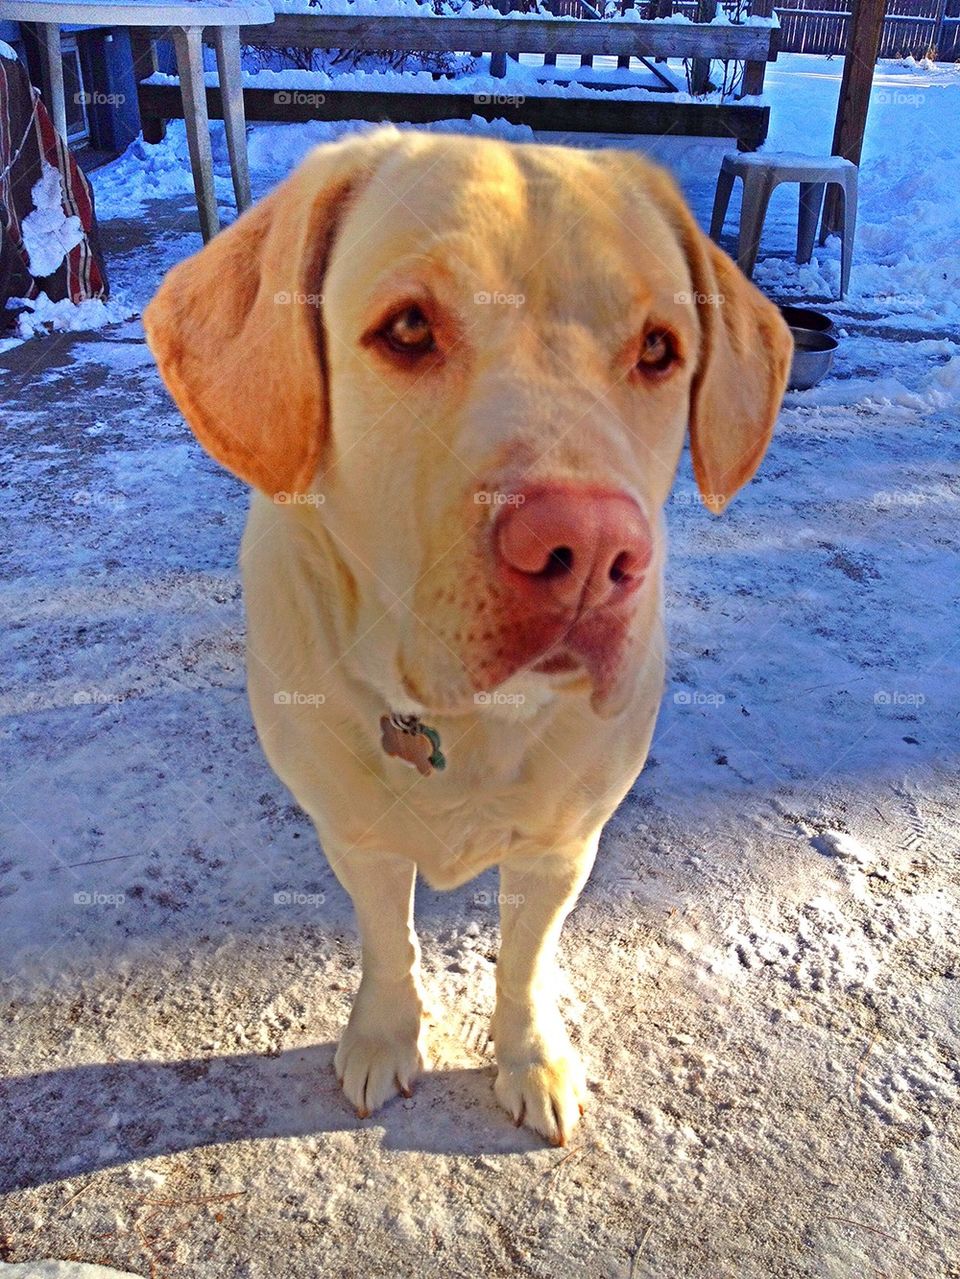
407, 738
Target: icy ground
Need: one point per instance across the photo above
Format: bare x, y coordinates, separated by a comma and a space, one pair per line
764, 967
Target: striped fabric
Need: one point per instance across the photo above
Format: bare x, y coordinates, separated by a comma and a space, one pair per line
27, 141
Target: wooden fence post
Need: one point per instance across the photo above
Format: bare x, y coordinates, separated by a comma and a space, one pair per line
662, 9
863, 43
498, 61
700, 67
754, 72
144, 51
937, 35
623, 62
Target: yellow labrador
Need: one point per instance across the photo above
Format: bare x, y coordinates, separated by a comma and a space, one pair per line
457, 374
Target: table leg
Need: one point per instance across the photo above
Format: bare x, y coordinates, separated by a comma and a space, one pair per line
53, 64
849, 230
811, 200
721, 202
188, 46
226, 41
757, 189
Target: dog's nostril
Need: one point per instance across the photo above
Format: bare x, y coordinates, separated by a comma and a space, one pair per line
621, 568
559, 562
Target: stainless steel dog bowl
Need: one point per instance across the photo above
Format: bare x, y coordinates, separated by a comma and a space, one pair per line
812, 358
805, 317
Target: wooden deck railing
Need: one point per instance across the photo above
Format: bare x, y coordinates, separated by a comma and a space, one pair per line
747, 123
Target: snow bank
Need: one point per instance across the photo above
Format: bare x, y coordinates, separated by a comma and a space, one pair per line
907, 248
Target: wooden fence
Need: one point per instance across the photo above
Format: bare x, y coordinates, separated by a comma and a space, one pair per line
912, 27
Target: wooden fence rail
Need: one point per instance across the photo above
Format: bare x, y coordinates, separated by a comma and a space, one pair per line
528, 35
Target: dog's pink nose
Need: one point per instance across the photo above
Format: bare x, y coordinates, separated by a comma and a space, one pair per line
574, 546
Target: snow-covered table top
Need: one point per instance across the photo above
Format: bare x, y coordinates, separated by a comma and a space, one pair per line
139, 13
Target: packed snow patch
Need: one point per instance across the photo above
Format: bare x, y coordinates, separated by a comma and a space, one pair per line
48, 233
50, 1269
41, 316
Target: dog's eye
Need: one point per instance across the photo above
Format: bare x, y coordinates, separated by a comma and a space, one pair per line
409, 332
658, 352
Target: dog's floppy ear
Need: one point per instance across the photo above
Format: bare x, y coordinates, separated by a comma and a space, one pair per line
745, 350
744, 363
237, 329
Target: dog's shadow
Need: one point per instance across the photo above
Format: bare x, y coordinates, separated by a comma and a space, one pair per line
74, 1121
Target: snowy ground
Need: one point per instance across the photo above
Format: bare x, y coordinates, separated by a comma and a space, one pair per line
764, 968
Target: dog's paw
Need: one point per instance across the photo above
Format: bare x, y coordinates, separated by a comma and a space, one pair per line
382, 1050
544, 1091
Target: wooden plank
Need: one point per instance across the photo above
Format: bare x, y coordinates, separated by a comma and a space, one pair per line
747, 125
508, 35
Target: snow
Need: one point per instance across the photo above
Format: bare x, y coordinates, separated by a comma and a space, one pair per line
524, 81
763, 969
48, 233
465, 9
400, 9
40, 315
51, 1269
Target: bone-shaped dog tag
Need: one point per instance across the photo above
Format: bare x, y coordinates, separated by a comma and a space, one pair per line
407, 739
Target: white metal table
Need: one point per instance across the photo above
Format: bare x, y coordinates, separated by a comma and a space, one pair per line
184, 22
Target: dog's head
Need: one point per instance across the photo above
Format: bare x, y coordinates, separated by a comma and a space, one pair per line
480, 360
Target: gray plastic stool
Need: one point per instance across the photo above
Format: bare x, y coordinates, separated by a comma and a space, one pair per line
760, 172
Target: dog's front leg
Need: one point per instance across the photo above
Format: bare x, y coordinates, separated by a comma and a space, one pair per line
383, 1047
540, 1078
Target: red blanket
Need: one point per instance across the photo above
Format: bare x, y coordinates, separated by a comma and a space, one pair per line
28, 145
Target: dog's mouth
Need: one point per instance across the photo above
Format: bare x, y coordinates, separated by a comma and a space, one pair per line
594, 644
584, 650
562, 662
597, 643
